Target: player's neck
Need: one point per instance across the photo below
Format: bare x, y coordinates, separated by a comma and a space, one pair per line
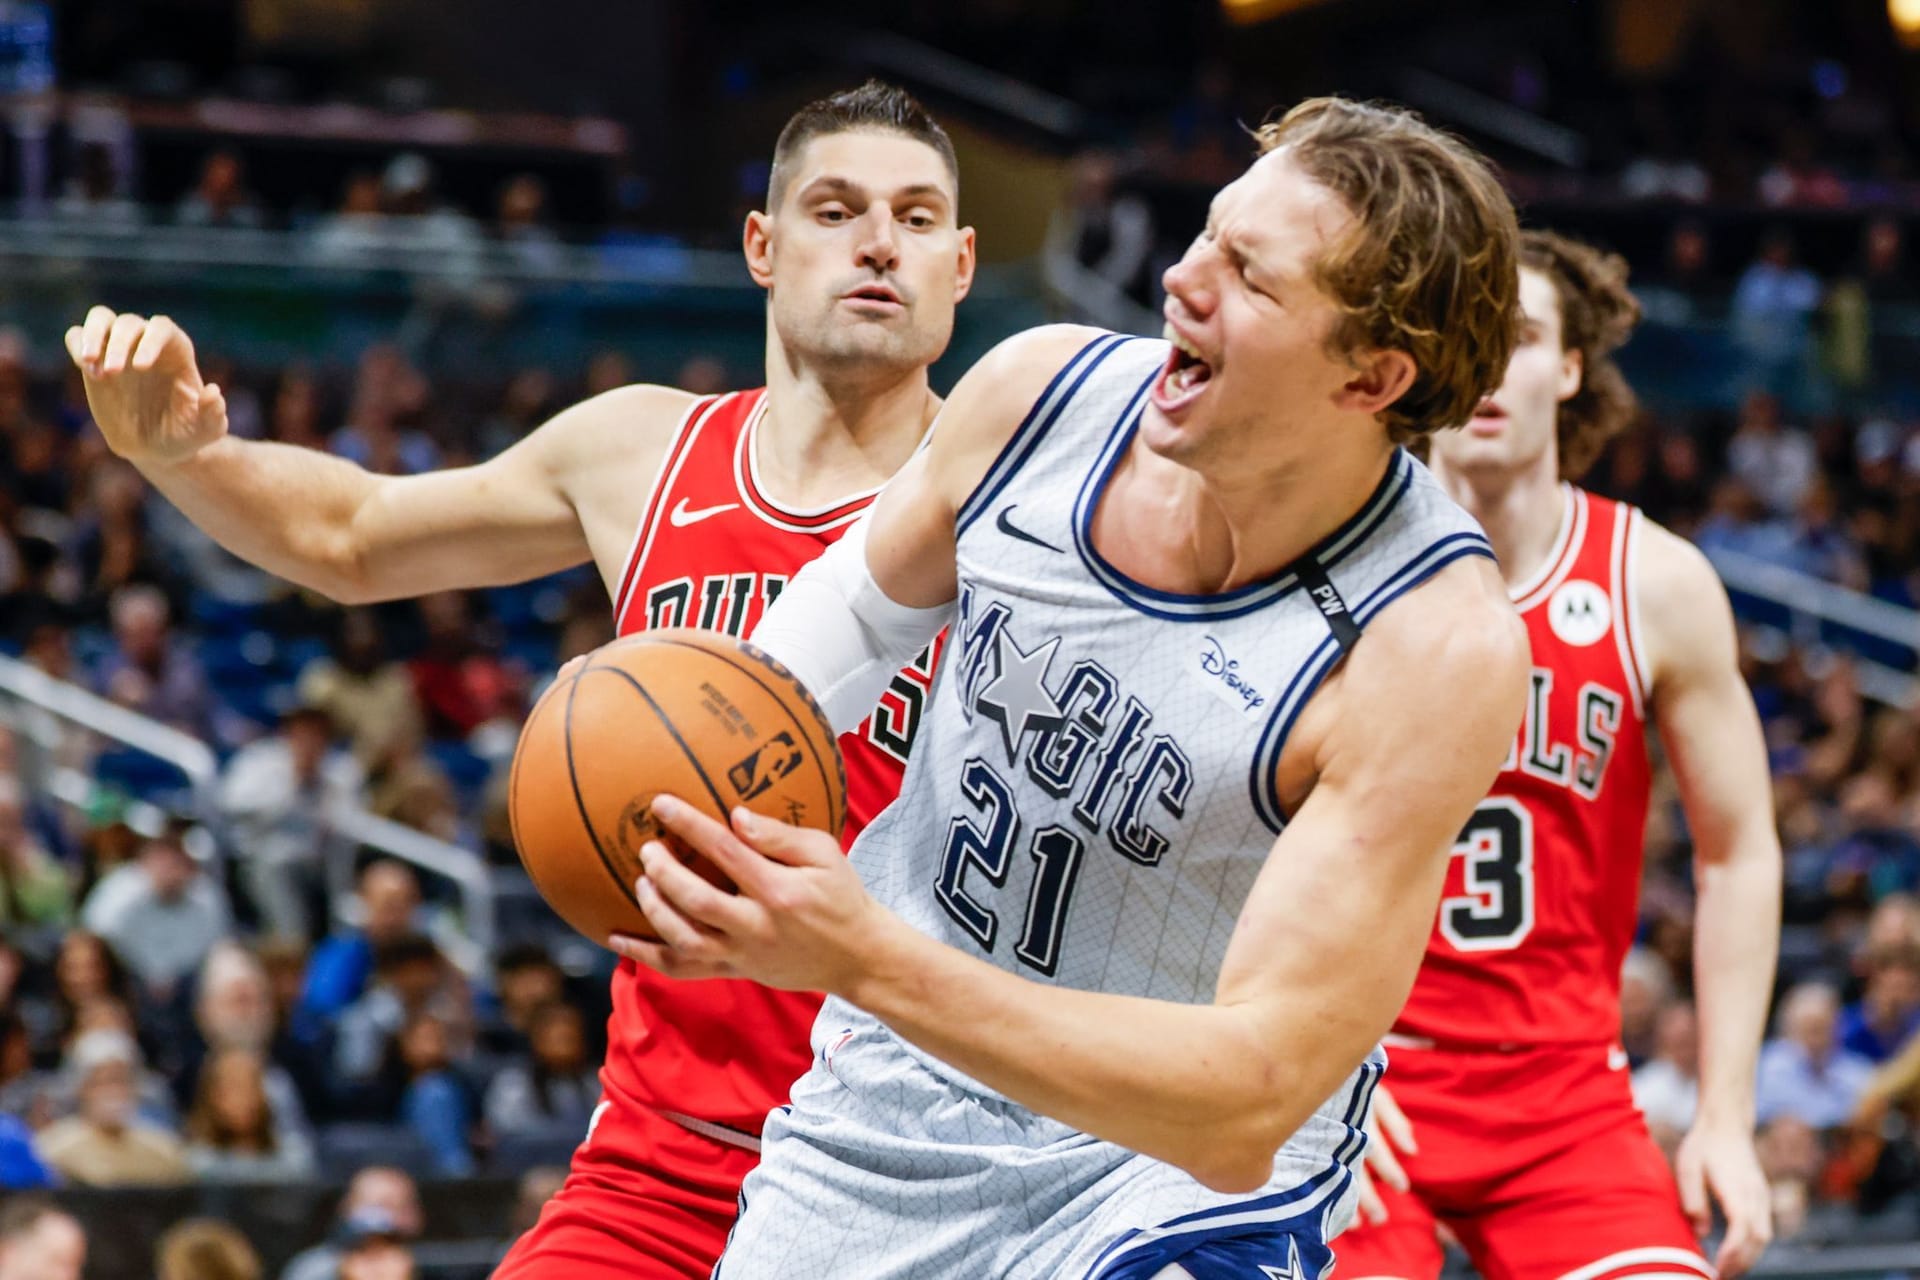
1521, 510
825, 438
1203, 533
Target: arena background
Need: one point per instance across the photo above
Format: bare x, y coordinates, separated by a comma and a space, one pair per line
408, 231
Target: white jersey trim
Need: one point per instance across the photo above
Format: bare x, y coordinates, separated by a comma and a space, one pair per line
1566, 549
1697, 1265
678, 448
1622, 591
746, 462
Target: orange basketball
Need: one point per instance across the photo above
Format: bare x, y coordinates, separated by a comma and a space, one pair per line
695, 714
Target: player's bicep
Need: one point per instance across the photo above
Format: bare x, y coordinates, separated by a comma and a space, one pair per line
513, 517
1701, 705
1333, 931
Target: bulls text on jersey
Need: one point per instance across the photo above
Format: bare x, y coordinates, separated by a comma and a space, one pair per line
1576, 755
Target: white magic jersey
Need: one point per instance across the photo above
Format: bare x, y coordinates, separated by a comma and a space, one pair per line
1089, 802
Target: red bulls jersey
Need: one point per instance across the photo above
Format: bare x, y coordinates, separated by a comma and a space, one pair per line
1543, 890
713, 550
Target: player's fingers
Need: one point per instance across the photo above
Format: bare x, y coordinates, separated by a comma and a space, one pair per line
1373, 1210
1383, 1164
692, 895
743, 865
781, 841
1393, 1122
1749, 1228
690, 940
1691, 1176
660, 957
125, 333
76, 343
93, 333
154, 340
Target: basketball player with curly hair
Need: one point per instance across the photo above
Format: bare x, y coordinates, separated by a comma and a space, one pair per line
1518, 998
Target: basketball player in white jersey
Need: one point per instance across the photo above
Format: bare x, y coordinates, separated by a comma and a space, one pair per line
1089, 1017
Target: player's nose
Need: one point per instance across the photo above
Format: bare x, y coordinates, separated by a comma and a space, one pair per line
1189, 284
879, 245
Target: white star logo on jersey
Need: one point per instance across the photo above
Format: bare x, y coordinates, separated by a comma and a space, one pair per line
1017, 697
1293, 1270
1580, 613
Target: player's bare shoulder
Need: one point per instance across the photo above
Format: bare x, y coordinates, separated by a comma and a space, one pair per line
625, 431
1451, 652
1679, 606
988, 405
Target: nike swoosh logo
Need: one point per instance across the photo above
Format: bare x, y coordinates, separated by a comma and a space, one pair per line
1007, 527
680, 517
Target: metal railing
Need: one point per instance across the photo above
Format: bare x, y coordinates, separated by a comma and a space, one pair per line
1883, 638
43, 709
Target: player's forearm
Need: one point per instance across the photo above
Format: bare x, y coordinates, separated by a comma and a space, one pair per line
1197, 1086
1736, 945
286, 509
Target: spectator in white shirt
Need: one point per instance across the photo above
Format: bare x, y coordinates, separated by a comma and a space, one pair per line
1804, 1073
1667, 1088
160, 912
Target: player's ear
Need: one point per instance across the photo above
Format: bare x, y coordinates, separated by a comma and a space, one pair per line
963, 279
1379, 378
756, 241
1573, 372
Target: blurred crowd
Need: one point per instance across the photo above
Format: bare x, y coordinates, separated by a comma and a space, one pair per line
187, 998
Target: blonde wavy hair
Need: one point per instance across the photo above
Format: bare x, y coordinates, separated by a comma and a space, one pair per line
1431, 266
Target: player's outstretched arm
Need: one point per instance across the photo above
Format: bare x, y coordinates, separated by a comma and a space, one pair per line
853, 617
1712, 734
1414, 729
326, 523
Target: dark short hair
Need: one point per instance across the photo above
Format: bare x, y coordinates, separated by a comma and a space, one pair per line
408, 948
874, 107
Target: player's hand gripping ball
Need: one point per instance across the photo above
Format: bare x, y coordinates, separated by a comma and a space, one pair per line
694, 714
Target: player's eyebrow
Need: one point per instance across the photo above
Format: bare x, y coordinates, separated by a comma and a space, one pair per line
828, 184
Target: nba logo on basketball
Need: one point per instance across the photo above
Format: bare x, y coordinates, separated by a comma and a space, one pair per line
771, 761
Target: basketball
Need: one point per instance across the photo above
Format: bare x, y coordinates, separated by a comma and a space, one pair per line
694, 714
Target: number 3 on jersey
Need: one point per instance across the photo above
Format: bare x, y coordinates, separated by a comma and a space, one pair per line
1495, 913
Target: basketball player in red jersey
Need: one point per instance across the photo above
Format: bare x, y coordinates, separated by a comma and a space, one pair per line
1510, 1104
696, 511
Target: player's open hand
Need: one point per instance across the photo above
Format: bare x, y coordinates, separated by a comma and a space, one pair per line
1720, 1160
143, 387
797, 922
1389, 1133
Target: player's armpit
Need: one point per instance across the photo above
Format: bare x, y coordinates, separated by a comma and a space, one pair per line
1411, 737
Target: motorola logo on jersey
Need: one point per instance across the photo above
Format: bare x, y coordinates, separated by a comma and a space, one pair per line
1580, 613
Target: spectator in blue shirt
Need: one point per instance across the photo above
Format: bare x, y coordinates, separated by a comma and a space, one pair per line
342, 967
1804, 1073
1888, 1012
20, 1167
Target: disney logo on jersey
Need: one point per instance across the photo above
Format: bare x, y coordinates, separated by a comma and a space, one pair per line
769, 762
1215, 662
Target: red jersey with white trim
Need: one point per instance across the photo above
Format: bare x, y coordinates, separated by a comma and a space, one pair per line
713, 551
1543, 891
